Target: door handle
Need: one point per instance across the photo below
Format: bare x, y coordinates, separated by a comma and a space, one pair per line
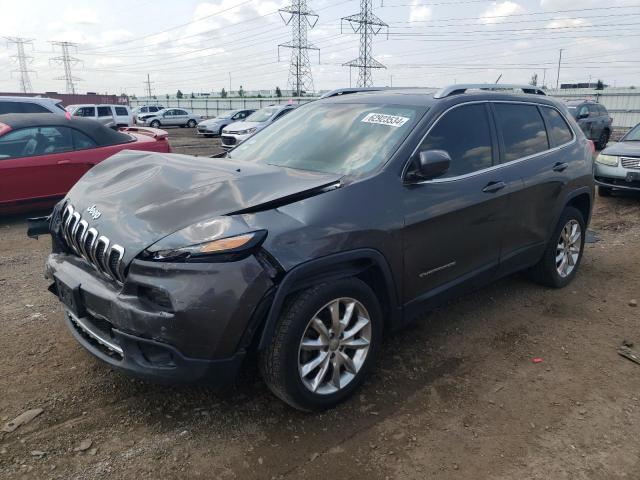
63, 162
493, 187
560, 167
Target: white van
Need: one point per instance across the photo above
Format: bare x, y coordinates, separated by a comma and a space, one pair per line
121, 114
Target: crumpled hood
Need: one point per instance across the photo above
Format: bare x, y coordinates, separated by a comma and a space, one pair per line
631, 149
142, 197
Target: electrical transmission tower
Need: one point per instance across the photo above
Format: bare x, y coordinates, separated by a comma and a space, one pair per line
23, 60
368, 25
301, 18
66, 60
147, 86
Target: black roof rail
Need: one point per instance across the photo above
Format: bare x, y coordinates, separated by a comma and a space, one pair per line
345, 91
463, 87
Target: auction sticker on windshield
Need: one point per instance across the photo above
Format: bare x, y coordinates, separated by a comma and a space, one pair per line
382, 119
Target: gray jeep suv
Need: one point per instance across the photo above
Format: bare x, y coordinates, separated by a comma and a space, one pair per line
594, 120
314, 238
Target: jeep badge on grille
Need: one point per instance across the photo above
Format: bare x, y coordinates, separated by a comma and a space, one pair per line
94, 212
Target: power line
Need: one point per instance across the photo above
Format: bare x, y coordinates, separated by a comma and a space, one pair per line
301, 18
22, 60
367, 24
66, 60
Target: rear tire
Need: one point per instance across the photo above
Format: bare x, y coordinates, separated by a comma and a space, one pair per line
299, 366
563, 254
604, 191
191, 124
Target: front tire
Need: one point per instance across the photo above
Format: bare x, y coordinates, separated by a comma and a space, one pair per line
324, 346
154, 124
563, 254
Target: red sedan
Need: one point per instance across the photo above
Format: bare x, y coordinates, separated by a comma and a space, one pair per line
43, 155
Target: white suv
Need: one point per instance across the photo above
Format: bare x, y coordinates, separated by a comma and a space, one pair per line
121, 114
31, 105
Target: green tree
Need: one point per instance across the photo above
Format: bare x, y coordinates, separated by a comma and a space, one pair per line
223, 93
534, 80
600, 85
278, 92
241, 92
192, 95
167, 96
179, 94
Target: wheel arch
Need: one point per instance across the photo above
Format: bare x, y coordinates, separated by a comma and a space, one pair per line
368, 265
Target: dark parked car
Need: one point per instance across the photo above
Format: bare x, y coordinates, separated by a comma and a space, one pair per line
594, 120
344, 219
618, 165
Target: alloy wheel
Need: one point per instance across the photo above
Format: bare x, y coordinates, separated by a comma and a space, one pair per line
568, 248
334, 346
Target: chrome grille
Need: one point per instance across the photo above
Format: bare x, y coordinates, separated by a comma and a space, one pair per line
630, 162
96, 249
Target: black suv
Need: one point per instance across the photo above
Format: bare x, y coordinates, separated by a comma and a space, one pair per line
593, 119
307, 243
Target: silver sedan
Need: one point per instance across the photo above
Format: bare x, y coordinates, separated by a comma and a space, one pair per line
169, 117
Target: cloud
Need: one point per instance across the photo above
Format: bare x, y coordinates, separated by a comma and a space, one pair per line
81, 16
567, 23
567, 4
499, 11
419, 13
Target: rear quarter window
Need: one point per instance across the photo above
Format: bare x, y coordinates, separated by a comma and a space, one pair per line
104, 112
522, 130
122, 111
557, 128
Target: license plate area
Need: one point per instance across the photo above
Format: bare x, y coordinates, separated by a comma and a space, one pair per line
68, 291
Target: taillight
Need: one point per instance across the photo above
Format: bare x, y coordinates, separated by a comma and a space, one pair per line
4, 128
593, 146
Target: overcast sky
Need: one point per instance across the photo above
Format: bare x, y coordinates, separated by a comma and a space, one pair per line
193, 45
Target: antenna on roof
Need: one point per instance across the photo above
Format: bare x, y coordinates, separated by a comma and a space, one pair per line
498, 79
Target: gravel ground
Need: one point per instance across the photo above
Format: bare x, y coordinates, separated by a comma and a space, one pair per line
454, 396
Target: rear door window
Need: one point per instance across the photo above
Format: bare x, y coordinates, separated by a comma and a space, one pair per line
122, 111
522, 130
465, 134
33, 108
105, 112
557, 128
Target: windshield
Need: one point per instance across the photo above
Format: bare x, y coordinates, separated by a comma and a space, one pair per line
332, 137
262, 115
632, 135
227, 114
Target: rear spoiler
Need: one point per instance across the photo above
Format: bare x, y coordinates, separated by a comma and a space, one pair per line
151, 132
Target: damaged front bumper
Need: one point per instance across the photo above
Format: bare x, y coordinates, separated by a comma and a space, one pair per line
172, 323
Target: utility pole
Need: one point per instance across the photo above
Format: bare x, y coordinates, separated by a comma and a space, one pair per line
147, 85
22, 59
229, 83
301, 19
559, 64
544, 77
367, 25
66, 60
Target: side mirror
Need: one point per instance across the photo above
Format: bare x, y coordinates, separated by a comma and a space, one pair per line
583, 115
431, 164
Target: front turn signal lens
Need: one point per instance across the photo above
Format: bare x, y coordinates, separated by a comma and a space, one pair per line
225, 244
